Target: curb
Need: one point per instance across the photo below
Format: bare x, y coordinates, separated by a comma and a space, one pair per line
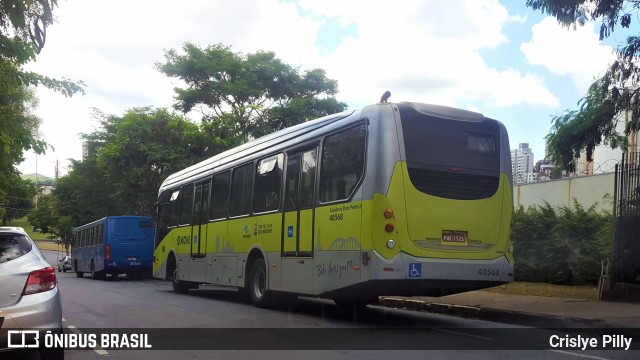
491, 314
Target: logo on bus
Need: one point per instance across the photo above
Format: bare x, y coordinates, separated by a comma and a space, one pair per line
184, 240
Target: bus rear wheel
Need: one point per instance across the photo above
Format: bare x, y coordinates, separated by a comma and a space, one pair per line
96, 275
258, 292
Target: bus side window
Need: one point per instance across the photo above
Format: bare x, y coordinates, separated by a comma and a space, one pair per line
175, 209
342, 163
186, 204
164, 210
101, 234
220, 196
266, 196
308, 178
204, 212
241, 185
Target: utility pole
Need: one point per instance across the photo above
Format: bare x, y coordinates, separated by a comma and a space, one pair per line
57, 169
37, 189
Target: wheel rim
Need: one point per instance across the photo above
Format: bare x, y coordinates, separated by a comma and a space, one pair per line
259, 283
175, 277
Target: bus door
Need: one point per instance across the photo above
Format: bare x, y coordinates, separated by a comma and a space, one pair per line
200, 220
298, 221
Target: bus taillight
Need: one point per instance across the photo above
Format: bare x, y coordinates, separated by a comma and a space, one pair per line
107, 252
388, 214
389, 227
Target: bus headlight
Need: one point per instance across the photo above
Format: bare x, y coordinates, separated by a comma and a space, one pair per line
391, 243
511, 249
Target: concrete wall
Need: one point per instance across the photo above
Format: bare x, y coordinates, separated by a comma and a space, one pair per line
587, 190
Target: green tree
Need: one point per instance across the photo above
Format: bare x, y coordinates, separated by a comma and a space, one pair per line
48, 220
23, 29
251, 94
18, 127
18, 202
43, 218
142, 149
614, 94
130, 157
83, 195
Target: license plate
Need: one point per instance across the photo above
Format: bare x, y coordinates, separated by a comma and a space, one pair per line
454, 237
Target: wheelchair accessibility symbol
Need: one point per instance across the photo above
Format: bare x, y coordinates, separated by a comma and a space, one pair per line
415, 270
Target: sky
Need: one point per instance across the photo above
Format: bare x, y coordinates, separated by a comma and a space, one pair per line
499, 58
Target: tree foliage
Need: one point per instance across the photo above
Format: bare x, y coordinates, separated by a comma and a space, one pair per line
17, 199
613, 97
129, 157
143, 148
23, 30
251, 94
562, 245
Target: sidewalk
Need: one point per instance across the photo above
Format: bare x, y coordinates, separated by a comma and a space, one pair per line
538, 311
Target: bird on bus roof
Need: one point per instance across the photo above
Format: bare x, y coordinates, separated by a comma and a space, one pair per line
385, 96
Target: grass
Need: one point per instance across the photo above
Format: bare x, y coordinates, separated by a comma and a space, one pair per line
24, 223
42, 240
549, 290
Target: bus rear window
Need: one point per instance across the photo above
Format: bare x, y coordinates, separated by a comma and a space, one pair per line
484, 144
451, 158
444, 142
146, 224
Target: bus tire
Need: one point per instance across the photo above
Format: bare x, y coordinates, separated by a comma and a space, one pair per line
258, 292
78, 273
96, 275
179, 286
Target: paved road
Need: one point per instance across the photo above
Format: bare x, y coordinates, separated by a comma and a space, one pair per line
122, 303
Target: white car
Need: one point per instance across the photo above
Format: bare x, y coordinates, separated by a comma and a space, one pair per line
64, 264
29, 295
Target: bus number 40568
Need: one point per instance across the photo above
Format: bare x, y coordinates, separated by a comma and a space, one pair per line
489, 272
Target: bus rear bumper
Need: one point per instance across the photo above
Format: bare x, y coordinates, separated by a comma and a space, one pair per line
405, 275
405, 266
464, 271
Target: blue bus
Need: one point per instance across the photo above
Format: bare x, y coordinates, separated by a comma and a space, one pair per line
114, 245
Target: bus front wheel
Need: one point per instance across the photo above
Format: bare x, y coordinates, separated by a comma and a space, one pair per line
179, 286
258, 291
78, 273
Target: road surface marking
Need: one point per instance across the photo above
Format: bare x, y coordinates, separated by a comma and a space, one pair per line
579, 355
464, 334
98, 350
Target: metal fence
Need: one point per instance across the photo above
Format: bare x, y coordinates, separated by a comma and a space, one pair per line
626, 218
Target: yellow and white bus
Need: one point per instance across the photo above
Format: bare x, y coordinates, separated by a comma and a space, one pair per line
391, 199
